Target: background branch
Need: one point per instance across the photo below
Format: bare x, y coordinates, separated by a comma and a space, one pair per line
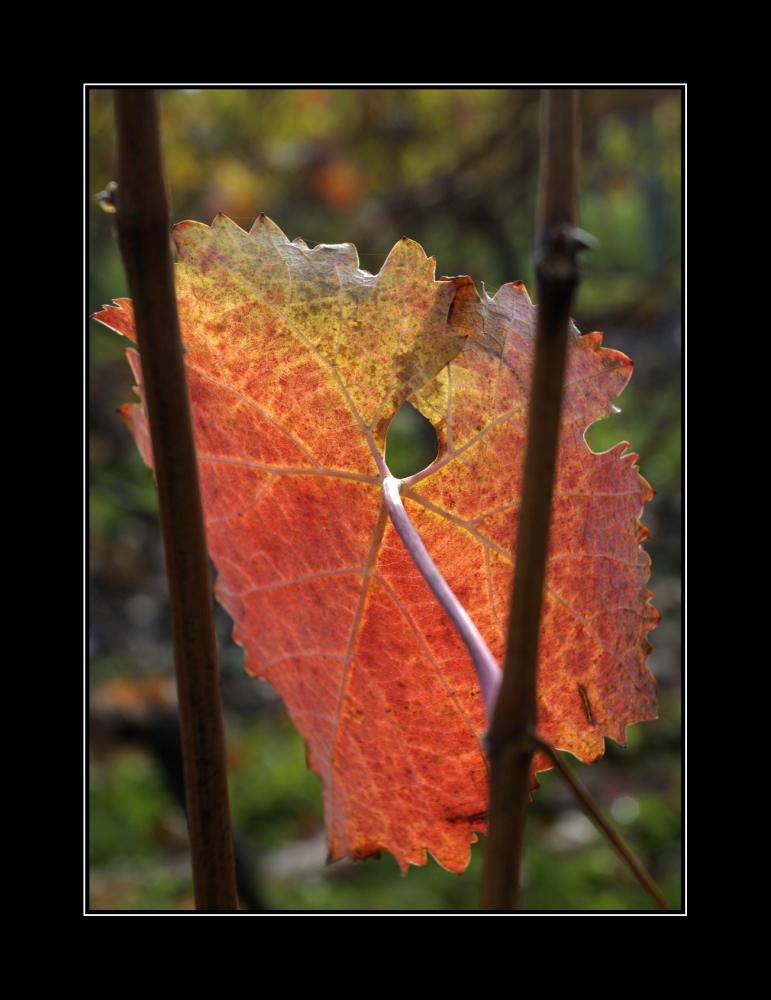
582, 794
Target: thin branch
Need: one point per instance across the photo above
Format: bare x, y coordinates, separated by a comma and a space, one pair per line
510, 739
615, 838
488, 671
143, 224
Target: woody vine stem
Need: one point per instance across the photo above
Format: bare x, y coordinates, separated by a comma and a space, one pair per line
143, 220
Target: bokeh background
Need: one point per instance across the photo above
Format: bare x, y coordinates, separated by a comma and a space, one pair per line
455, 170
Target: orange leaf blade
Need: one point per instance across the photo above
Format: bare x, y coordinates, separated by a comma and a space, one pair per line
297, 360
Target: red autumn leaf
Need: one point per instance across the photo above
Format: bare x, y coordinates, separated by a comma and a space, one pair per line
592, 679
297, 361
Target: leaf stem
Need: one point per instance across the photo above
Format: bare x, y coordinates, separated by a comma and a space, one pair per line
429, 470
488, 671
143, 224
380, 461
582, 794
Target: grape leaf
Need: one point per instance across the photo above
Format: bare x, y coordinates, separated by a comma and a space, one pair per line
297, 360
593, 680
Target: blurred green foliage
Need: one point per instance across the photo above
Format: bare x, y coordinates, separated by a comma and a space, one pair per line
128, 797
455, 170
275, 800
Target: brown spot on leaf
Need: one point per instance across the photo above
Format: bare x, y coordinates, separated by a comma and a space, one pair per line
587, 706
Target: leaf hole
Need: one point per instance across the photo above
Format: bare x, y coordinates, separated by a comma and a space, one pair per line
411, 442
